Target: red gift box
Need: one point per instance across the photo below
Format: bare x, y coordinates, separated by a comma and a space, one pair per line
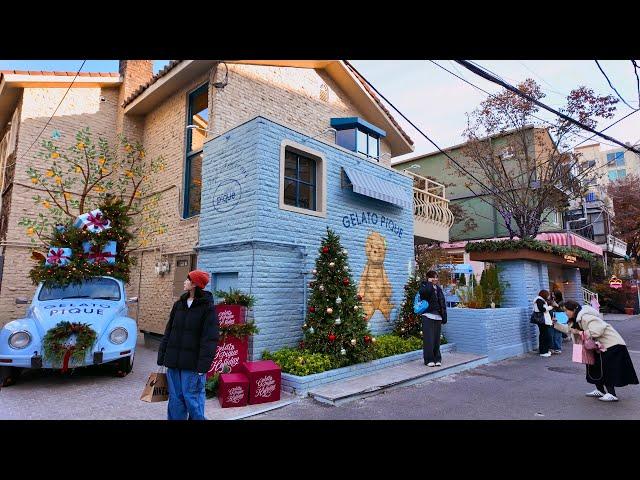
231, 314
233, 390
264, 381
232, 352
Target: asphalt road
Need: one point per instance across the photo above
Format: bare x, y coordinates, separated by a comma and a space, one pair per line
528, 387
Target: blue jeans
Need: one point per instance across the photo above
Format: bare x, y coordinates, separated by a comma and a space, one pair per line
186, 395
556, 339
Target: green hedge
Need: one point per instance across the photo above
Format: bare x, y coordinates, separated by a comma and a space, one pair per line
536, 245
302, 362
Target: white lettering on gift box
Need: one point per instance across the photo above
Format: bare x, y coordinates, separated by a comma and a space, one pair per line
266, 386
235, 394
226, 354
226, 318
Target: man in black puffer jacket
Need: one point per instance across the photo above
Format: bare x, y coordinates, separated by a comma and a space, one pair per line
188, 348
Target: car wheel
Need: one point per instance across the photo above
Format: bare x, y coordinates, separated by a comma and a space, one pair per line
9, 375
124, 366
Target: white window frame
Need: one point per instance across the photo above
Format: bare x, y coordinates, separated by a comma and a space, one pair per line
321, 178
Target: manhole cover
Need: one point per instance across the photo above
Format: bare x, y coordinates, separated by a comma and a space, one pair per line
570, 370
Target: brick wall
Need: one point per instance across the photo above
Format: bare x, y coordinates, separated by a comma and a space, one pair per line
290, 96
82, 107
267, 264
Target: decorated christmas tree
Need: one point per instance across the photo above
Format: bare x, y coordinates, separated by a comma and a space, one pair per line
409, 324
95, 209
336, 323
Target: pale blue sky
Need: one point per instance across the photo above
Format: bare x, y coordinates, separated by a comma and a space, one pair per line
437, 101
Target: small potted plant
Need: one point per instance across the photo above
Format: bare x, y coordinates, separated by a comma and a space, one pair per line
233, 307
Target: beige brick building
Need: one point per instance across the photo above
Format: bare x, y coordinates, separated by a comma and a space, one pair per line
156, 110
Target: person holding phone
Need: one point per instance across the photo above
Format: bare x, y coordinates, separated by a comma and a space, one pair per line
613, 366
432, 319
556, 335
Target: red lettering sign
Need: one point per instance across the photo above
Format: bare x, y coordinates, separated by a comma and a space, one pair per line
232, 353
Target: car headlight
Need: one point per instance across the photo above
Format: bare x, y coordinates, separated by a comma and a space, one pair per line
20, 339
118, 335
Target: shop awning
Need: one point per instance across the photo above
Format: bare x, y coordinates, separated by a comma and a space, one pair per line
572, 240
374, 187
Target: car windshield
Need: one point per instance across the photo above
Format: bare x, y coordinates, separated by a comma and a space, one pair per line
95, 288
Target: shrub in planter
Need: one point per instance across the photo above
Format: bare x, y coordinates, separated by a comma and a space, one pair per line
235, 297
300, 362
388, 345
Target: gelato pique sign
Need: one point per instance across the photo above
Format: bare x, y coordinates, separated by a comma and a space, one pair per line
357, 219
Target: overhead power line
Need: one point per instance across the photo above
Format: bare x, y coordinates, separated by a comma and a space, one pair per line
492, 78
612, 87
493, 95
455, 162
635, 70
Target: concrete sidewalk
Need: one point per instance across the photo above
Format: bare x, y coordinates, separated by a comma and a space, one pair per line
337, 393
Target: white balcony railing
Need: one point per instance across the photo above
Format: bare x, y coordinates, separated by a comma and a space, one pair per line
616, 246
588, 296
432, 216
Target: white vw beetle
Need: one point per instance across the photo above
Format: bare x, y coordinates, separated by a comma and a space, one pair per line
100, 302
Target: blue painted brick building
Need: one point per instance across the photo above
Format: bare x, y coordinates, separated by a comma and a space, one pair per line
251, 239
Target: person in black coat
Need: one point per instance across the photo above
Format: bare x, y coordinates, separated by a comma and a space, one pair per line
432, 319
188, 348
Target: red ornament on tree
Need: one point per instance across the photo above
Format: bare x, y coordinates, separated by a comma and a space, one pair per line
332, 337
325, 249
312, 309
359, 297
367, 338
345, 281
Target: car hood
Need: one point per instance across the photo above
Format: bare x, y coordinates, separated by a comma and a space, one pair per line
97, 313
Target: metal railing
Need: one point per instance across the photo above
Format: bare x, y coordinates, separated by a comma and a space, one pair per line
588, 296
614, 243
429, 202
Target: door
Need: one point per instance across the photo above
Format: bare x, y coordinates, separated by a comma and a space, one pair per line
184, 264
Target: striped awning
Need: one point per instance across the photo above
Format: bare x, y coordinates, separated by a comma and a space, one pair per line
374, 187
572, 240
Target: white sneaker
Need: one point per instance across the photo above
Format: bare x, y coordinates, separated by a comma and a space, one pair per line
595, 393
548, 354
431, 364
438, 364
608, 398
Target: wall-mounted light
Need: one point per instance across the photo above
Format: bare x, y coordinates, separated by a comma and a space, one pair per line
224, 82
326, 130
189, 127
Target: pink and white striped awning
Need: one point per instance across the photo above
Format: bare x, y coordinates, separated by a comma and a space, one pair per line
570, 240
559, 238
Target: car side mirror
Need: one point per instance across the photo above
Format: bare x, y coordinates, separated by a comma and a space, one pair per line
132, 300
22, 301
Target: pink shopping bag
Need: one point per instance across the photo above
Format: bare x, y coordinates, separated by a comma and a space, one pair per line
582, 355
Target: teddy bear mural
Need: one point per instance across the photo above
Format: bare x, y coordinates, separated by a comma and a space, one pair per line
375, 286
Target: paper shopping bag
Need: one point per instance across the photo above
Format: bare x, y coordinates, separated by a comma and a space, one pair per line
156, 389
582, 355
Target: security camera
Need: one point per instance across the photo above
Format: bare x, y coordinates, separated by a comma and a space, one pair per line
102, 99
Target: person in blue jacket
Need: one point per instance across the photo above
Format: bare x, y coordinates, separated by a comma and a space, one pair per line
432, 319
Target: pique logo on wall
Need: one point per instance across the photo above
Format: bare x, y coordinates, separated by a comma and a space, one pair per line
375, 286
227, 195
356, 219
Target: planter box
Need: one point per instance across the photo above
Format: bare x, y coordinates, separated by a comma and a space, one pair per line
301, 385
526, 254
498, 333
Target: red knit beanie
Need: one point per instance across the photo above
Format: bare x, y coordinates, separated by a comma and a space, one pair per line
199, 278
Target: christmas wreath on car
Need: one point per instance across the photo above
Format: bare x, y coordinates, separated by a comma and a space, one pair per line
56, 345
